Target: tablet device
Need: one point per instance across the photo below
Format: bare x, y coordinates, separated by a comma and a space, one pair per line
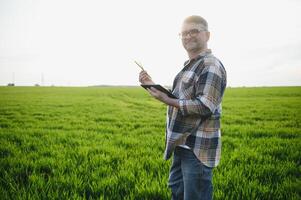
162, 89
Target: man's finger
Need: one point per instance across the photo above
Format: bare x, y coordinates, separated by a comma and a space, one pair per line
143, 72
154, 90
151, 92
145, 76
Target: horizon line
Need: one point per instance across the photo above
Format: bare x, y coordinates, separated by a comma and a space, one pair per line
111, 85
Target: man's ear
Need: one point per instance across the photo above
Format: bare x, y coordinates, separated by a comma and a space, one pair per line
207, 36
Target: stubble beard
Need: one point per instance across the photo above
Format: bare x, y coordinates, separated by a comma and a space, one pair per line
193, 47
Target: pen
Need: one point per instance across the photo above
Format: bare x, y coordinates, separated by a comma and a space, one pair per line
139, 65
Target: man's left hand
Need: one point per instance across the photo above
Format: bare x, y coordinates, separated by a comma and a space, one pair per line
161, 96
158, 94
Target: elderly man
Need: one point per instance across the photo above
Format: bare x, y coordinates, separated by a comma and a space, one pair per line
193, 119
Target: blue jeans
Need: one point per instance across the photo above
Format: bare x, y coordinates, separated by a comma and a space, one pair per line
189, 179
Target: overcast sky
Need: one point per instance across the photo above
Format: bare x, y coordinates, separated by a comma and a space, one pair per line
81, 43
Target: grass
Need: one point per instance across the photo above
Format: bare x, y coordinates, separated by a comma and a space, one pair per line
108, 143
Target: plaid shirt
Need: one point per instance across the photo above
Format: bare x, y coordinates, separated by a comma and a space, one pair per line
199, 86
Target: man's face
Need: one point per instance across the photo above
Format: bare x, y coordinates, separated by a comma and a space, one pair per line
194, 37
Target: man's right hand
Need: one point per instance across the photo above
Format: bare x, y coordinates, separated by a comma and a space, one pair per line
145, 79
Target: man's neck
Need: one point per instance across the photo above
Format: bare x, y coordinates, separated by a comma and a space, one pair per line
193, 55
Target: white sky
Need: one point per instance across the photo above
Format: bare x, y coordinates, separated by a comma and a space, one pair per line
83, 43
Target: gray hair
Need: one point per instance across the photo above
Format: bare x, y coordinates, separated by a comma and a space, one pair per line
197, 20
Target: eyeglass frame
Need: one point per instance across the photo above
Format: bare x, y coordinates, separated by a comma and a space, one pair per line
191, 33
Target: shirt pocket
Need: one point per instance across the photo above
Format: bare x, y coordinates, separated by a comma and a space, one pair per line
187, 85
188, 76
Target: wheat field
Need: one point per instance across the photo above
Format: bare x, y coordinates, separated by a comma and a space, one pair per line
108, 143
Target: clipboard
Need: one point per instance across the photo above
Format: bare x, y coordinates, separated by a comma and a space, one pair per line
160, 88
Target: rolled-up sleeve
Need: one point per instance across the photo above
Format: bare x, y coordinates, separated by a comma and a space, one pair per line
209, 91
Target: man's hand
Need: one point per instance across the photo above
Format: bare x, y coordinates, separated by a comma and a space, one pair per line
145, 79
158, 94
161, 96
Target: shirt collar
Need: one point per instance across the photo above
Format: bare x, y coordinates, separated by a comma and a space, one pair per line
203, 54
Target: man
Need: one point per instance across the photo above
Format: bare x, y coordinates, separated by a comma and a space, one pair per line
193, 119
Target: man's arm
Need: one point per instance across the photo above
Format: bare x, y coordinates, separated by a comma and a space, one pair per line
209, 92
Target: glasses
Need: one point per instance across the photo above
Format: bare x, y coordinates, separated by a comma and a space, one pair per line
191, 33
